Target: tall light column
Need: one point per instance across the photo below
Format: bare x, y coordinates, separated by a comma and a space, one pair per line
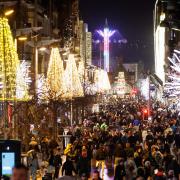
106, 34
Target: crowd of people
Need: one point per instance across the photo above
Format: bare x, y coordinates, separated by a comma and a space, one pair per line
124, 139
119, 143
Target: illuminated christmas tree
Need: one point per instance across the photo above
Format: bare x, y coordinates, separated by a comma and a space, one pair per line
74, 86
8, 62
120, 84
101, 81
55, 75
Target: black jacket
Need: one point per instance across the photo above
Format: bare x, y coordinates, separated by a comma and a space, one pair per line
68, 168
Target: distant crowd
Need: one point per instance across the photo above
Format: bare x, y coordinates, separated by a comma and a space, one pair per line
120, 143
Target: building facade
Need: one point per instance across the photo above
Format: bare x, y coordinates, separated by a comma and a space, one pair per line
85, 43
166, 34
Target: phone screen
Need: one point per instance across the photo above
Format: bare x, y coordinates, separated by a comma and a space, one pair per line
8, 162
155, 171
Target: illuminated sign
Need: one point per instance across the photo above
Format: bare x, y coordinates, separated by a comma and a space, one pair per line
160, 53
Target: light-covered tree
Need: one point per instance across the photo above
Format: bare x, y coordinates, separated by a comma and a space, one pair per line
73, 82
56, 81
9, 62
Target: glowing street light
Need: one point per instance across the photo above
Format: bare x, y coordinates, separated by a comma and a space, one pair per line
9, 12
42, 48
22, 38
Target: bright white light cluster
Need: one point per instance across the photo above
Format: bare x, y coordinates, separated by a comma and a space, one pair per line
160, 50
90, 88
145, 88
42, 88
101, 83
23, 80
120, 84
172, 86
106, 34
60, 83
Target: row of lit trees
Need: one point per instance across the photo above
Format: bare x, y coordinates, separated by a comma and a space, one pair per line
14, 79
64, 80
61, 83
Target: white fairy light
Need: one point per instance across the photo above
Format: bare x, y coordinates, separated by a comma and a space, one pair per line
23, 81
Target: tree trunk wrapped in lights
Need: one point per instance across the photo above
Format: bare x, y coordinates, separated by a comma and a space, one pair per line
55, 75
74, 86
8, 62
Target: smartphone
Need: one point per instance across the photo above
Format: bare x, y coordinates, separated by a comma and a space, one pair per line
8, 162
155, 171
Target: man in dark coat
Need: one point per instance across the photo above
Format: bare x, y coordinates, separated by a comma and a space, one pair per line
96, 176
57, 163
68, 167
83, 164
120, 172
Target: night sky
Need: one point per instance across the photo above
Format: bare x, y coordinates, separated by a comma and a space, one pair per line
133, 18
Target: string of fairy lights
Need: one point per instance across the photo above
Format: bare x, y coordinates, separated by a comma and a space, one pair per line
74, 86
9, 62
55, 74
23, 81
